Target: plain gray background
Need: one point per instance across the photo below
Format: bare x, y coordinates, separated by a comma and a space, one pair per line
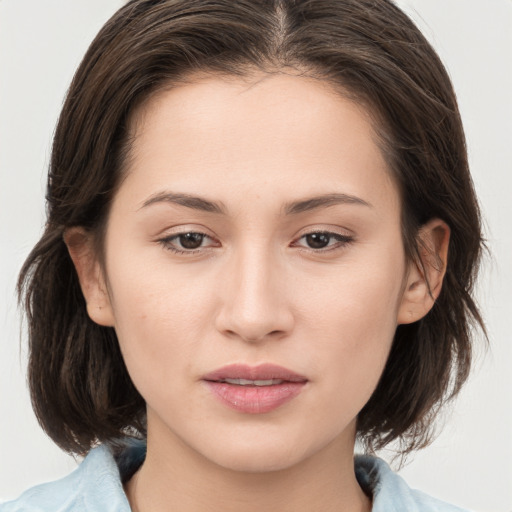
42, 42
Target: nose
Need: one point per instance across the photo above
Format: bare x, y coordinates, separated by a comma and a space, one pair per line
254, 303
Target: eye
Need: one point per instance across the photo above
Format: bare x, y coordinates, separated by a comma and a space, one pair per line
188, 242
325, 240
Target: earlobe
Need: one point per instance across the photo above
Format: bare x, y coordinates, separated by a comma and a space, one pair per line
425, 277
90, 275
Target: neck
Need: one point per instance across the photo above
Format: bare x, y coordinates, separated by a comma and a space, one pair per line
173, 473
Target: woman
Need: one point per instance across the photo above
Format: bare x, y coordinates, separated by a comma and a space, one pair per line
261, 244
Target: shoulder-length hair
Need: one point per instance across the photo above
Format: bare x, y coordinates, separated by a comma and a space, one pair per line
371, 52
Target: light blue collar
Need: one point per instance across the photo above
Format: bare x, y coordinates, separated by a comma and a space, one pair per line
96, 486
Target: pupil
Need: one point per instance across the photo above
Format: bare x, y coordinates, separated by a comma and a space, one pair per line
191, 240
318, 240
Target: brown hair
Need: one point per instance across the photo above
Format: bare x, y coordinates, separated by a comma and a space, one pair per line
368, 49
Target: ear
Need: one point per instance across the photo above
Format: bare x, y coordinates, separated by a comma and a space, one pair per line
425, 277
81, 248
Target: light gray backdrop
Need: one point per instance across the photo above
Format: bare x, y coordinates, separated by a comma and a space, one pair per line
42, 42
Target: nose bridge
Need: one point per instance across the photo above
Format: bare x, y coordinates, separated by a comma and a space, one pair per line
254, 300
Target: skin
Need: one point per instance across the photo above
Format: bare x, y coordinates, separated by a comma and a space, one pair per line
254, 291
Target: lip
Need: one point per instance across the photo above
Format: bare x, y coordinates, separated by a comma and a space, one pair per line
252, 399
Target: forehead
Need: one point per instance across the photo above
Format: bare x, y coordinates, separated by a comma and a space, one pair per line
282, 130
277, 100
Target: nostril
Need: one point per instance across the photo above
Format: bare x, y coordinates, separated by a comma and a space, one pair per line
253, 338
254, 320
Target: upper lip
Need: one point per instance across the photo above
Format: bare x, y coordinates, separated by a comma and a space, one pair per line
264, 371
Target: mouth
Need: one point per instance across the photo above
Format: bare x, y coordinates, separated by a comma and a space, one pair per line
254, 389
248, 382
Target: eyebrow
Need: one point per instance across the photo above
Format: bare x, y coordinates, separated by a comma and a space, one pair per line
323, 201
291, 208
196, 203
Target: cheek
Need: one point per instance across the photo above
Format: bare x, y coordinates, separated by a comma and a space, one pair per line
150, 292
352, 316
361, 296
160, 316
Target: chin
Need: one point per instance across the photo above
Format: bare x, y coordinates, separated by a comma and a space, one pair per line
260, 453
257, 459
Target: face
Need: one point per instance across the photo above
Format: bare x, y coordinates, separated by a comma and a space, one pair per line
256, 237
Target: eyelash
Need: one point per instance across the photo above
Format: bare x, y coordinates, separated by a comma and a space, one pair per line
341, 241
167, 242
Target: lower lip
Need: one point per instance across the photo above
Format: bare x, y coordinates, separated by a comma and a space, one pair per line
255, 399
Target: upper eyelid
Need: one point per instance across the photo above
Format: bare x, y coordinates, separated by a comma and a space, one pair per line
331, 230
173, 231
168, 243
181, 233
307, 231
174, 236
345, 238
330, 233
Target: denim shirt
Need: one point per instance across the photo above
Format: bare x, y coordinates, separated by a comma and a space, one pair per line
96, 486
